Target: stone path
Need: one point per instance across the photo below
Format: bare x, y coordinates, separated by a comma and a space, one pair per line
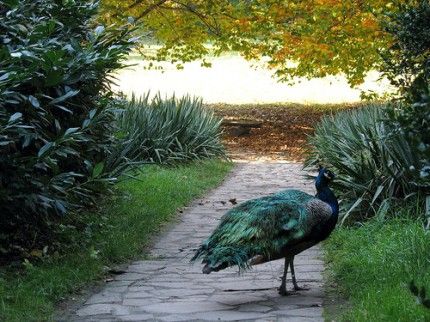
168, 288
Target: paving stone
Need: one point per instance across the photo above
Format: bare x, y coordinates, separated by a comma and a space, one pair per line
184, 307
180, 285
117, 283
236, 299
138, 295
168, 288
137, 317
98, 318
227, 316
141, 301
95, 309
106, 297
130, 276
245, 285
115, 289
175, 318
194, 298
309, 312
140, 286
254, 308
309, 301
298, 319
183, 292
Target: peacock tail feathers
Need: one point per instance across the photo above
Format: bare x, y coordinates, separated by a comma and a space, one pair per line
262, 226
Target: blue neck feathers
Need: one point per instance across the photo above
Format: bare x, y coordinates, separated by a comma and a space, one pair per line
328, 197
325, 194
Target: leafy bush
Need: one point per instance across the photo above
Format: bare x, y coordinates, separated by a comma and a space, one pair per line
407, 65
171, 130
374, 167
413, 121
55, 121
407, 60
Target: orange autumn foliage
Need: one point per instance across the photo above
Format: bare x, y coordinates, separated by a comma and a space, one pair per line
321, 37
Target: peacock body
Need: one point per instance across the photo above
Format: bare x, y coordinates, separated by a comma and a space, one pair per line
279, 225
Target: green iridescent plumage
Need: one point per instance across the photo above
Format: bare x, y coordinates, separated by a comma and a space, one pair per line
257, 227
268, 228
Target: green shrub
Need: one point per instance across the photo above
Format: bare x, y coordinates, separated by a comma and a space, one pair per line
407, 60
374, 167
407, 65
55, 121
171, 130
413, 121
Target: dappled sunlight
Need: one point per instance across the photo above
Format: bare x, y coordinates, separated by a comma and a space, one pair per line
233, 80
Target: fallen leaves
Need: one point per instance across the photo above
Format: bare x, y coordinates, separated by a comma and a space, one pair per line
283, 133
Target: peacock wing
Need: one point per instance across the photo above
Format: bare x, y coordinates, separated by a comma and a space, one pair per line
257, 227
263, 225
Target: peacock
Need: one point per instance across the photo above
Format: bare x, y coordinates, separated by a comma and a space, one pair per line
280, 225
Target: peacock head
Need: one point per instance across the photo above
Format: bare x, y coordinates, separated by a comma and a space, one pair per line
324, 177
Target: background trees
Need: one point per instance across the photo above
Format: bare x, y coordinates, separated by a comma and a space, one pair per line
300, 38
383, 153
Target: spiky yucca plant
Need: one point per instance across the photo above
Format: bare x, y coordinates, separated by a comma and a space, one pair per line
170, 130
373, 165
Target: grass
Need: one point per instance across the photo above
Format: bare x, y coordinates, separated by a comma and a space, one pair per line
372, 266
121, 233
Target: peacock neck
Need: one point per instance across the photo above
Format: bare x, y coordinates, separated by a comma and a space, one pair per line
325, 194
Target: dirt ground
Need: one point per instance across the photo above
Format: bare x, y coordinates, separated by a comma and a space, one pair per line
283, 130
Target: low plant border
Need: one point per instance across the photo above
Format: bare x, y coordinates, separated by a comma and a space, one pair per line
370, 268
125, 228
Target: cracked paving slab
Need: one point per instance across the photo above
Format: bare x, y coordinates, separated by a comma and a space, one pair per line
169, 288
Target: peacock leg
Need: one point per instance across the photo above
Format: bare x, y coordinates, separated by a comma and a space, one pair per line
293, 277
283, 288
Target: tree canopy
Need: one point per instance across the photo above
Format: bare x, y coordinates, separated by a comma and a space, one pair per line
310, 38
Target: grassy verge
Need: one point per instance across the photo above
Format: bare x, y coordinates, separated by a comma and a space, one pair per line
372, 266
121, 233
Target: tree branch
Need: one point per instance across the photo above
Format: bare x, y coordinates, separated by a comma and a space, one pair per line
199, 15
147, 10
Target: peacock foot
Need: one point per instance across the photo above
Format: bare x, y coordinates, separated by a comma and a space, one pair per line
282, 291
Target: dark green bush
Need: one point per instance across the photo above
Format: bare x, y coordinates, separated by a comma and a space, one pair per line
56, 124
407, 60
413, 121
171, 130
407, 66
374, 164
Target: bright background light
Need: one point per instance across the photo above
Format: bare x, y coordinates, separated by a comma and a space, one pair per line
232, 79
